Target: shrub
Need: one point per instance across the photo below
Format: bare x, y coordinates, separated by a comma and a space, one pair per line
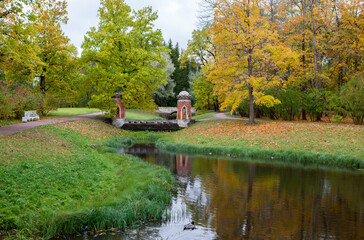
337, 118
46, 103
314, 101
351, 100
15, 99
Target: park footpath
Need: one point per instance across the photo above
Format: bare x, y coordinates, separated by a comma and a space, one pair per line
9, 129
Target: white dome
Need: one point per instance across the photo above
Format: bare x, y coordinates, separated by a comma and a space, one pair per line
184, 93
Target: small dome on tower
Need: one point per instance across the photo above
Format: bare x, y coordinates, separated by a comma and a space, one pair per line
184, 94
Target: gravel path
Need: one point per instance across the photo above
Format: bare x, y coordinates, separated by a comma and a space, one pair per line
4, 130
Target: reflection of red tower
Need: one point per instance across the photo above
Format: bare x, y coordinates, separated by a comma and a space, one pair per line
120, 111
183, 165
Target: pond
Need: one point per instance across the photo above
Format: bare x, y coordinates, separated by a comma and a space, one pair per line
238, 199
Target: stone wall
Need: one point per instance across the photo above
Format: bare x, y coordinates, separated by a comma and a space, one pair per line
171, 110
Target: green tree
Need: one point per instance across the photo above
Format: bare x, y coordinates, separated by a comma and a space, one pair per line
201, 53
119, 53
166, 91
203, 92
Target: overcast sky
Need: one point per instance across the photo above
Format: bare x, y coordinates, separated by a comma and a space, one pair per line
177, 18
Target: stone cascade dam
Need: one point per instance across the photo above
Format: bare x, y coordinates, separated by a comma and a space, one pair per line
183, 119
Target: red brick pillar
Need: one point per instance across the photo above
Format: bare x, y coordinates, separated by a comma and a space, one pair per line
120, 111
119, 119
184, 106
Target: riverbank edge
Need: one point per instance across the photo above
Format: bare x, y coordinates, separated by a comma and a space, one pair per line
165, 143
326, 160
148, 192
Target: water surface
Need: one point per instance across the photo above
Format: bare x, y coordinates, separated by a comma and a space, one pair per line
235, 199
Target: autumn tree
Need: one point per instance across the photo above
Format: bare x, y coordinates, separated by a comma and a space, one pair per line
250, 59
120, 53
55, 51
41, 55
346, 42
327, 36
206, 13
17, 48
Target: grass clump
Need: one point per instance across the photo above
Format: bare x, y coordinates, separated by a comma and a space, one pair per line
52, 181
141, 193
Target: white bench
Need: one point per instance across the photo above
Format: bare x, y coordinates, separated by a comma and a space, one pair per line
30, 116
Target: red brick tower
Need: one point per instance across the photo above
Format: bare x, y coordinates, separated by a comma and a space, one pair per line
120, 111
184, 109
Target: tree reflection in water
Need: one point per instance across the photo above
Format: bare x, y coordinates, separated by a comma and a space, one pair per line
230, 199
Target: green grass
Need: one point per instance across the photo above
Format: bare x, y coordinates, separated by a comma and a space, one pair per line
326, 144
135, 114
52, 182
279, 136
8, 122
268, 155
202, 115
66, 112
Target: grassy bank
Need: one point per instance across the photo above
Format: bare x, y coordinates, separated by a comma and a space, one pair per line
297, 142
54, 180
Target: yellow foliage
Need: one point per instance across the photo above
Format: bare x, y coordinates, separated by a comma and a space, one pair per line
250, 55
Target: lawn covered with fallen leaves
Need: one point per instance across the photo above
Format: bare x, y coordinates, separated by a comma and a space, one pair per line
301, 137
93, 129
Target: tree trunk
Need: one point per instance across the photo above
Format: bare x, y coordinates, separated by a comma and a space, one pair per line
303, 28
251, 97
216, 105
251, 106
304, 114
42, 84
317, 83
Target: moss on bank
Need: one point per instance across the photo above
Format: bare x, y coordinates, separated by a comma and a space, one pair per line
53, 181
